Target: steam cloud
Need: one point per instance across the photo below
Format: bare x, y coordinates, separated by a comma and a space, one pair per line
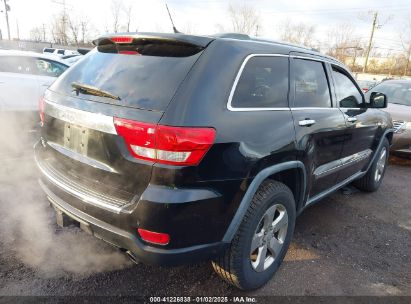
27, 223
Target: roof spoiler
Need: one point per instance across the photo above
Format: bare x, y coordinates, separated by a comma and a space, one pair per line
200, 41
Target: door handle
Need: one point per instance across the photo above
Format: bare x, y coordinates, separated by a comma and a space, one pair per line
306, 122
352, 119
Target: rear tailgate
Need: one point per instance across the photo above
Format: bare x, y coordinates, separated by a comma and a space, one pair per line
81, 151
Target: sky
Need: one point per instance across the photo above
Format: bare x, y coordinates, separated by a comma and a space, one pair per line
208, 16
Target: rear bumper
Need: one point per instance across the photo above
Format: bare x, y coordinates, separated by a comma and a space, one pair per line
130, 243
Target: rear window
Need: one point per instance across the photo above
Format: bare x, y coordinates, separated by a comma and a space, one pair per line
48, 50
144, 75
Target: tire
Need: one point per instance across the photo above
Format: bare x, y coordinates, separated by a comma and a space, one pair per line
371, 181
247, 270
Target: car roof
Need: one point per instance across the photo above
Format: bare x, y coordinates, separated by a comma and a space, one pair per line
30, 54
406, 81
205, 40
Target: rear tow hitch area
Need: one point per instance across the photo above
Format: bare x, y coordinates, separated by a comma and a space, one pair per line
63, 220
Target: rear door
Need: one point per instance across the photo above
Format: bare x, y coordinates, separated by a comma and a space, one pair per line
362, 124
318, 125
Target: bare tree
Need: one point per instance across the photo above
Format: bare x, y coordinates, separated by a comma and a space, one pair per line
74, 26
343, 43
298, 33
117, 7
406, 44
36, 34
85, 29
59, 29
128, 12
244, 19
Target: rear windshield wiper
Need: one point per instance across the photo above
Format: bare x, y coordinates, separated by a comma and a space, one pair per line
87, 89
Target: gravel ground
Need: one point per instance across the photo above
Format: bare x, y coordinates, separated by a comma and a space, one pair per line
347, 244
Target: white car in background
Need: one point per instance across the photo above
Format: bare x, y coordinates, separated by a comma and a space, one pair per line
62, 52
24, 76
71, 59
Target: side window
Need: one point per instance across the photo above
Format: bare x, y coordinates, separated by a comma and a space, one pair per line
348, 96
310, 84
263, 83
50, 68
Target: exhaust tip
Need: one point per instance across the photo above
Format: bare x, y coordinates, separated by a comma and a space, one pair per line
132, 257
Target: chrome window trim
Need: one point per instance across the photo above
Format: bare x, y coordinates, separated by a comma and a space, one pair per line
95, 121
239, 73
237, 79
324, 60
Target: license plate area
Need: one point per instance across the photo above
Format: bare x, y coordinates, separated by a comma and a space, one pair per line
76, 138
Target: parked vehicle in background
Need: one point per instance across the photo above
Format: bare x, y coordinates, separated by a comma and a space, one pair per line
83, 51
62, 52
366, 85
399, 106
48, 50
24, 76
71, 59
214, 162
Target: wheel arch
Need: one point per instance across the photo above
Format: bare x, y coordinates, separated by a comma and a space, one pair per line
286, 173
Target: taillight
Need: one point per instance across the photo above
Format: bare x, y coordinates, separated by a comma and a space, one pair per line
154, 237
42, 104
182, 146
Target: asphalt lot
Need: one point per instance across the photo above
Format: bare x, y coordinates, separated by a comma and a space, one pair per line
348, 244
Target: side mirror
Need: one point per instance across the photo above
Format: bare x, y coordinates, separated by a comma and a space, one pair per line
378, 100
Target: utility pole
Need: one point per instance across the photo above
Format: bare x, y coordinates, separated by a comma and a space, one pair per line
44, 32
18, 30
374, 25
63, 32
6, 9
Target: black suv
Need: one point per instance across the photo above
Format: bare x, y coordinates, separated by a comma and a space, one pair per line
178, 148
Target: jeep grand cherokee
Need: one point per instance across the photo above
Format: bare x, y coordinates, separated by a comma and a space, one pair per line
179, 148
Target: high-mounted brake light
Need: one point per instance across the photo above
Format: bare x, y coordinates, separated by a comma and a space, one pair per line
122, 39
129, 52
154, 237
42, 104
181, 146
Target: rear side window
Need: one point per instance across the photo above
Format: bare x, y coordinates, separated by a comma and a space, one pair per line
310, 84
262, 84
348, 95
144, 75
45, 67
